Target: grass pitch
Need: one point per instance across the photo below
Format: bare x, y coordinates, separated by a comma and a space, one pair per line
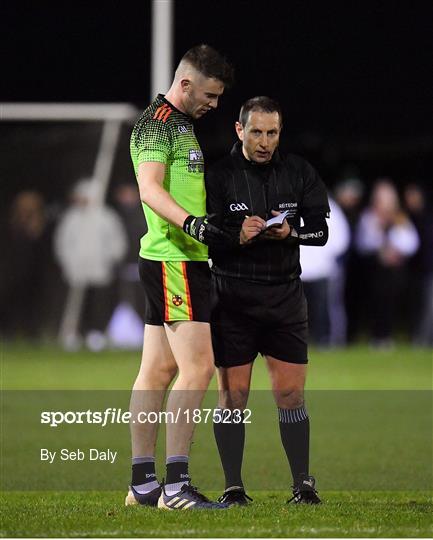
348, 511
344, 514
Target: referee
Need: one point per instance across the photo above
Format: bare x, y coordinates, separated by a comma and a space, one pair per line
258, 302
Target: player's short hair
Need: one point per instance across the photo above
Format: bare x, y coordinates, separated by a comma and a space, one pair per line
210, 63
259, 104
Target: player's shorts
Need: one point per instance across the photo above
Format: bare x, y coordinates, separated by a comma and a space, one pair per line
175, 291
251, 318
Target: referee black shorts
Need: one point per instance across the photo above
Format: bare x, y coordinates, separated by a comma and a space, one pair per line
251, 318
175, 291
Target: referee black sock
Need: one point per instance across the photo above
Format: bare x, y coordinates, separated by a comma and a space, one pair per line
295, 436
230, 439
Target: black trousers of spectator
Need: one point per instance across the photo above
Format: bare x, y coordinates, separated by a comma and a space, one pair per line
316, 293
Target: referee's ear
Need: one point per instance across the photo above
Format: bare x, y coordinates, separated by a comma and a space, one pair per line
239, 130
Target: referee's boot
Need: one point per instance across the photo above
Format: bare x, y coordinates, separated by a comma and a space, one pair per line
304, 491
235, 496
188, 498
145, 499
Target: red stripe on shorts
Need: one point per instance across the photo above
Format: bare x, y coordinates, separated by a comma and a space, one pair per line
188, 296
164, 288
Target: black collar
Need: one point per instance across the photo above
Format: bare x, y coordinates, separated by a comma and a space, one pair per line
244, 163
162, 98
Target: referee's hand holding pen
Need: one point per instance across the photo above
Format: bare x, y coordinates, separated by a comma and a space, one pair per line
251, 227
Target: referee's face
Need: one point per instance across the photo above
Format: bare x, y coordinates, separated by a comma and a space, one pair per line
202, 95
260, 135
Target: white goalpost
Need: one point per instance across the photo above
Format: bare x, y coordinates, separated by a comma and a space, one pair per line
112, 116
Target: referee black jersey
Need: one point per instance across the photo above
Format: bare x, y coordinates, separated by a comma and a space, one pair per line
237, 188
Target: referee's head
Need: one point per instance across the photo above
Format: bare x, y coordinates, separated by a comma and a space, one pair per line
259, 127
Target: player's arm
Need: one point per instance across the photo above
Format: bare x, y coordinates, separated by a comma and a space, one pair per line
152, 193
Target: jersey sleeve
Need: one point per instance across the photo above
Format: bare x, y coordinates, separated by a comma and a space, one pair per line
315, 198
152, 141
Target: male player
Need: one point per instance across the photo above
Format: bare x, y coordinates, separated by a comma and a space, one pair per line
259, 304
173, 265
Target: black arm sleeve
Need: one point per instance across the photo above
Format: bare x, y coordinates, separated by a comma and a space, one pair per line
214, 181
314, 232
314, 209
214, 198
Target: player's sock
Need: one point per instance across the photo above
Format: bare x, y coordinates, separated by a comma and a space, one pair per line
295, 436
143, 474
230, 439
177, 474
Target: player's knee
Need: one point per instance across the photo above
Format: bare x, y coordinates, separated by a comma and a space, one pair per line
200, 372
167, 374
161, 377
206, 371
290, 398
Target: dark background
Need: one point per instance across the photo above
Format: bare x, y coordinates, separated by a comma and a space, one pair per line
354, 79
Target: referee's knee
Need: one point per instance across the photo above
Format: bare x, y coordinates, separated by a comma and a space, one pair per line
289, 398
233, 399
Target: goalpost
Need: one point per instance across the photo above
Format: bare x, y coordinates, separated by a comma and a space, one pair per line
112, 116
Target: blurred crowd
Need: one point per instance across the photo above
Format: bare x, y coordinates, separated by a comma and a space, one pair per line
72, 273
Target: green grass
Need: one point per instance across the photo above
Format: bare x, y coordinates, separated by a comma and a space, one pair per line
42, 367
87, 514
371, 431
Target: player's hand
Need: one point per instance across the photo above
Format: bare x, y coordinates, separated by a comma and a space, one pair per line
251, 227
201, 230
278, 233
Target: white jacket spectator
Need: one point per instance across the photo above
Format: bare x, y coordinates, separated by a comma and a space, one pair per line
321, 265
324, 281
371, 236
89, 241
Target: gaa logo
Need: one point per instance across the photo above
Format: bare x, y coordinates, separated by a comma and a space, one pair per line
177, 300
239, 206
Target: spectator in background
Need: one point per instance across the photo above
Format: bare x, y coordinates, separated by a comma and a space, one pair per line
420, 291
385, 238
126, 325
323, 276
22, 266
89, 242
349, 194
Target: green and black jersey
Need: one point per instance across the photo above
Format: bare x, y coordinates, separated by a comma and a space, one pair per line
166, 135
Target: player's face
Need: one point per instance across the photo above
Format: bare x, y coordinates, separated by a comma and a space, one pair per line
260, 136
202, 95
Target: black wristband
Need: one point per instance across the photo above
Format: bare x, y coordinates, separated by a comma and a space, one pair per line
187, 224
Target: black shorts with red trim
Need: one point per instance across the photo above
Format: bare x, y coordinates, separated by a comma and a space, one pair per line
175, 291
251, 318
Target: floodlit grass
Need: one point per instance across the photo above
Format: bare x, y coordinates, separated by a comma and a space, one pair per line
344, 454
344, 514
353, 368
